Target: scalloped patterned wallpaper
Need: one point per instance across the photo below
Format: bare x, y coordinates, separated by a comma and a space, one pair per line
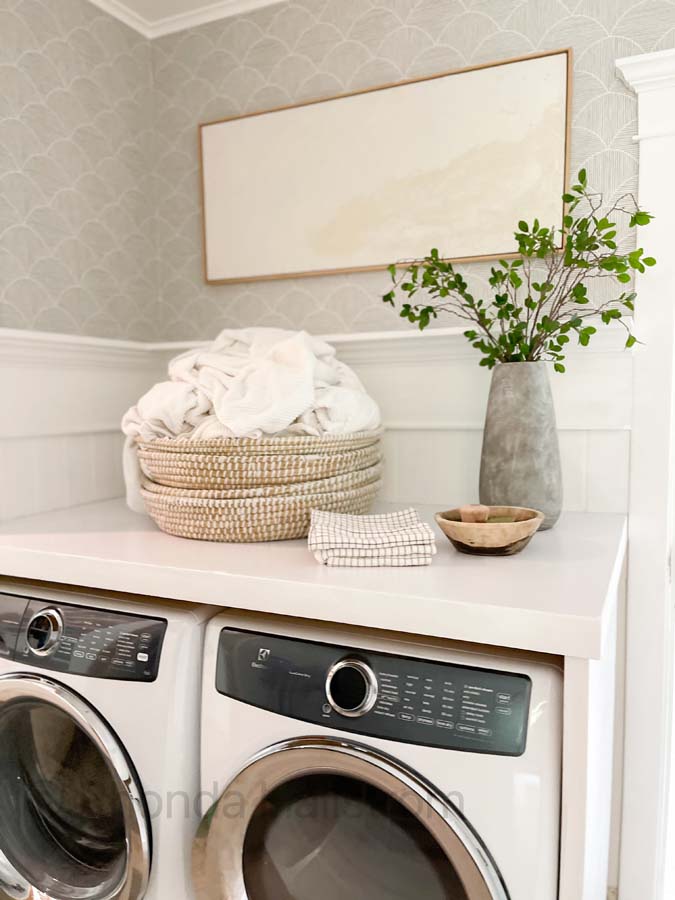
98, 130
77, 251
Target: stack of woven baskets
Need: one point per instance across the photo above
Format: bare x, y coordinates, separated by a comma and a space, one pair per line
246, 489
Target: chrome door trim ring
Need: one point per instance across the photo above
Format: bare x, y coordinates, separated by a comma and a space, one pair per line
56, 621
25, 686
217, 860
372, 687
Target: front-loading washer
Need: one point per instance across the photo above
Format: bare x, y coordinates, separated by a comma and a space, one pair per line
338, 763
99, 744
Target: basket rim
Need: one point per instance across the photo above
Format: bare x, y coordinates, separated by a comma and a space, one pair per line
176, 445
256, 505
218, 473
315, 487
212, 460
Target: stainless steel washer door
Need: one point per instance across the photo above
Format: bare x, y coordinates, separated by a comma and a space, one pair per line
319, 818
73, 822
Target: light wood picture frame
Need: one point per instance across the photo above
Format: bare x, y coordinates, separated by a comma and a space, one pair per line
355, 182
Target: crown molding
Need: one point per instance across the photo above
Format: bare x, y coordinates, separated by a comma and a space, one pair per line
648, 71
213, 12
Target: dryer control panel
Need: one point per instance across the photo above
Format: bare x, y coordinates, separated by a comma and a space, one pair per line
377, 694
80, 640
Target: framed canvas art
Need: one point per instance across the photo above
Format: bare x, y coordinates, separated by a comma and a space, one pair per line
356, 182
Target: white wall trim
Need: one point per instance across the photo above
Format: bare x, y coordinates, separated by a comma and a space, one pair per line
22, 347
646, 136
127, 16
30, 348
649, 650
202, 15
205, 14
65, 397
648, 71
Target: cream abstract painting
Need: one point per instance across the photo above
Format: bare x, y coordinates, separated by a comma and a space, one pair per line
360, 181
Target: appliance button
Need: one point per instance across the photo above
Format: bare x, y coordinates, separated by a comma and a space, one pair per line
503, 698
504, 711
92, 656
485, 732
406, 717
443, 723
423, 720
78, 654
466, 729
142, 657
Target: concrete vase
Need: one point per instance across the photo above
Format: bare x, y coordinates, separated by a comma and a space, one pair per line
520, 463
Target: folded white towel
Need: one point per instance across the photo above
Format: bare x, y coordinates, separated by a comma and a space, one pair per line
249, 383
390, 539
381, 523
344, 560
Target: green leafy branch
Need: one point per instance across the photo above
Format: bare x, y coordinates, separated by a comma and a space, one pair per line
540, 299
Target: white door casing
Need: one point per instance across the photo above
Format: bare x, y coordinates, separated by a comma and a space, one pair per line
649, 656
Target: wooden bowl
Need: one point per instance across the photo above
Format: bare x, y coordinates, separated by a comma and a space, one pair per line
507, 531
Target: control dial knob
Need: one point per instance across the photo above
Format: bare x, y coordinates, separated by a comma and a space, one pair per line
44, 631
351, 688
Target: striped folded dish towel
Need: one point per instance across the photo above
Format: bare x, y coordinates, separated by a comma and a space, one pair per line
390, 539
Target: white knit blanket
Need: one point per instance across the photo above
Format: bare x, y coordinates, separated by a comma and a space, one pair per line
248, 383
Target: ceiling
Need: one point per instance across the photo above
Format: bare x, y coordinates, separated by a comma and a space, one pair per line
154, 18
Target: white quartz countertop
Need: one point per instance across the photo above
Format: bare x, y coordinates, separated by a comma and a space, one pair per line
554, 597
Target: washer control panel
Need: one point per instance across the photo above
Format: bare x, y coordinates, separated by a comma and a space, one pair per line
377, 694
80, 640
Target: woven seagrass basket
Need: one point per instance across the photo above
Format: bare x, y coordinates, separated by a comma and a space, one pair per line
244, 489
282, 445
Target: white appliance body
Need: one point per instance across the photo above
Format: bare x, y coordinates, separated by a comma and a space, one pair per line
147, 728
512, 802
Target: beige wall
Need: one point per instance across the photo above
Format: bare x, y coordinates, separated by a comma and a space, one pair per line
98, 131
77, 251
312, 48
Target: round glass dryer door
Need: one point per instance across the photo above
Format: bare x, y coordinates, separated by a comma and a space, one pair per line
319, 818
73, 822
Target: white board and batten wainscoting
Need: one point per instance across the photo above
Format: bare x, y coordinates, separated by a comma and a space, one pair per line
60, 440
